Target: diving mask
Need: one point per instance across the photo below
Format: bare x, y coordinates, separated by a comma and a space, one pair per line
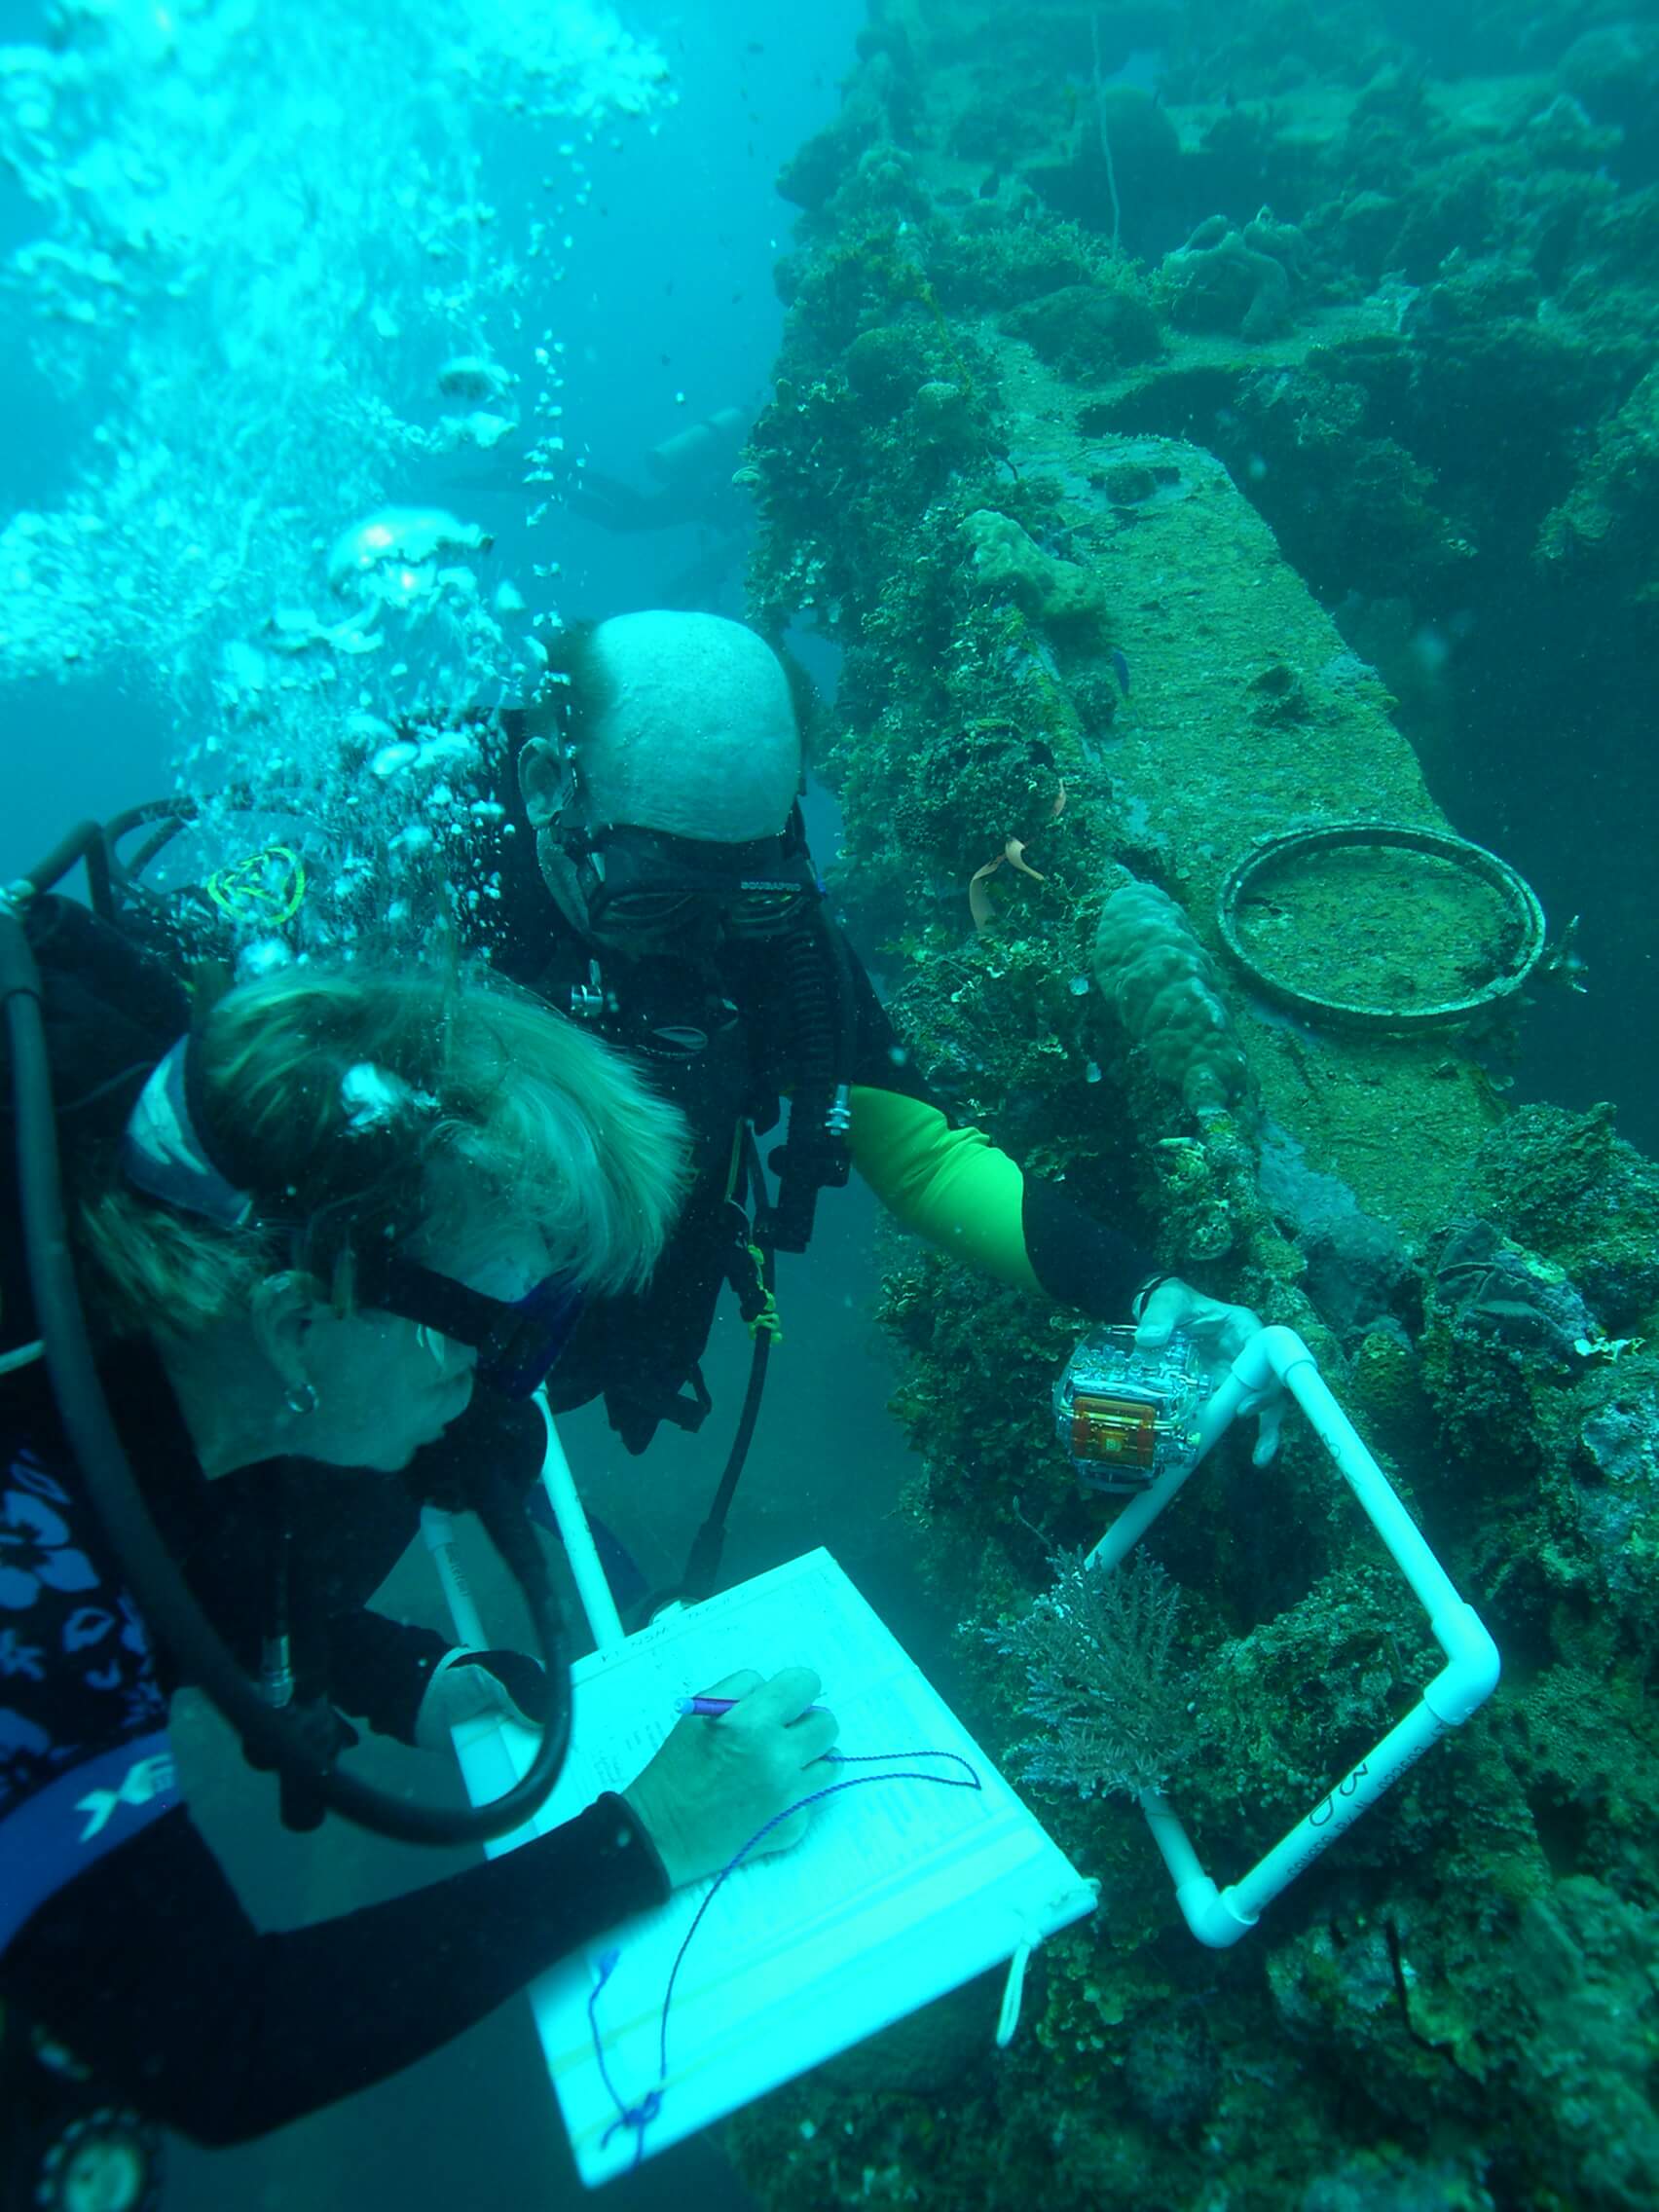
518, 1341
646, 883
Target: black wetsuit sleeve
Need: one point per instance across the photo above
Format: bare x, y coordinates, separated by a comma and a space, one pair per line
1078, 1260
149, 1970
378, 1669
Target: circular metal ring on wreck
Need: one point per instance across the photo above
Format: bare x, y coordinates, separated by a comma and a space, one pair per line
1380, 924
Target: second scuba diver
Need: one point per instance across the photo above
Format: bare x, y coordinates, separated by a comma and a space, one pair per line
679, 914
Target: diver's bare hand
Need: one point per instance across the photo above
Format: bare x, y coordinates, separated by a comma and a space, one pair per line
715, 1781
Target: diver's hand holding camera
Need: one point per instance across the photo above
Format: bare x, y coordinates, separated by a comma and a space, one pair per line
715, 1781
1217, 1333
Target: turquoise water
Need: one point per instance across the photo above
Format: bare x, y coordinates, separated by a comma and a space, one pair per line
345, 343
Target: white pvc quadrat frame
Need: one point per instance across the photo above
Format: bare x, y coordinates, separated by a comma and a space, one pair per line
1220, 1917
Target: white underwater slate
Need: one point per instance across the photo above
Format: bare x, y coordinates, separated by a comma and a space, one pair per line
901, 1892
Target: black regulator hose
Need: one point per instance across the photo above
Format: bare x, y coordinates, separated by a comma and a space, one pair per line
814, 1157
303, 1755
86, 842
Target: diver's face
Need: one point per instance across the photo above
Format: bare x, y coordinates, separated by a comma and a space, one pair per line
386, 1386
697, 935
686, 931
383, 1386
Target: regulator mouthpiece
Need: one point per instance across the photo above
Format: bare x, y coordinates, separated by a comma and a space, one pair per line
1126, 1417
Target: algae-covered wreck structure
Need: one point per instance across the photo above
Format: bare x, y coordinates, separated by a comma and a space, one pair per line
1128, 443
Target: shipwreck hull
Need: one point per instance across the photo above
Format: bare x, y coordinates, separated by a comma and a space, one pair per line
1011, 468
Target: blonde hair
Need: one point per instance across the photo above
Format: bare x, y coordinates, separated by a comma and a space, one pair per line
546, 1123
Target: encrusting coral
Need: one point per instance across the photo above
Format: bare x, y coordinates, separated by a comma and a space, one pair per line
1227, 277
1057, 594
1164, 987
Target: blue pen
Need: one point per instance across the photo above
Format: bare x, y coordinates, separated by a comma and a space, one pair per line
711, 1708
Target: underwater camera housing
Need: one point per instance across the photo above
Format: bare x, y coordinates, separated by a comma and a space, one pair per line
1126, 1417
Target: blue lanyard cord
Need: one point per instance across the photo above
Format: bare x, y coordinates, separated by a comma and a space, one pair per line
639, 2116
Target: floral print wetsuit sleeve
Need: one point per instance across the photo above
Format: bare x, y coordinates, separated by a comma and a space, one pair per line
122, 1937
85, 1761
